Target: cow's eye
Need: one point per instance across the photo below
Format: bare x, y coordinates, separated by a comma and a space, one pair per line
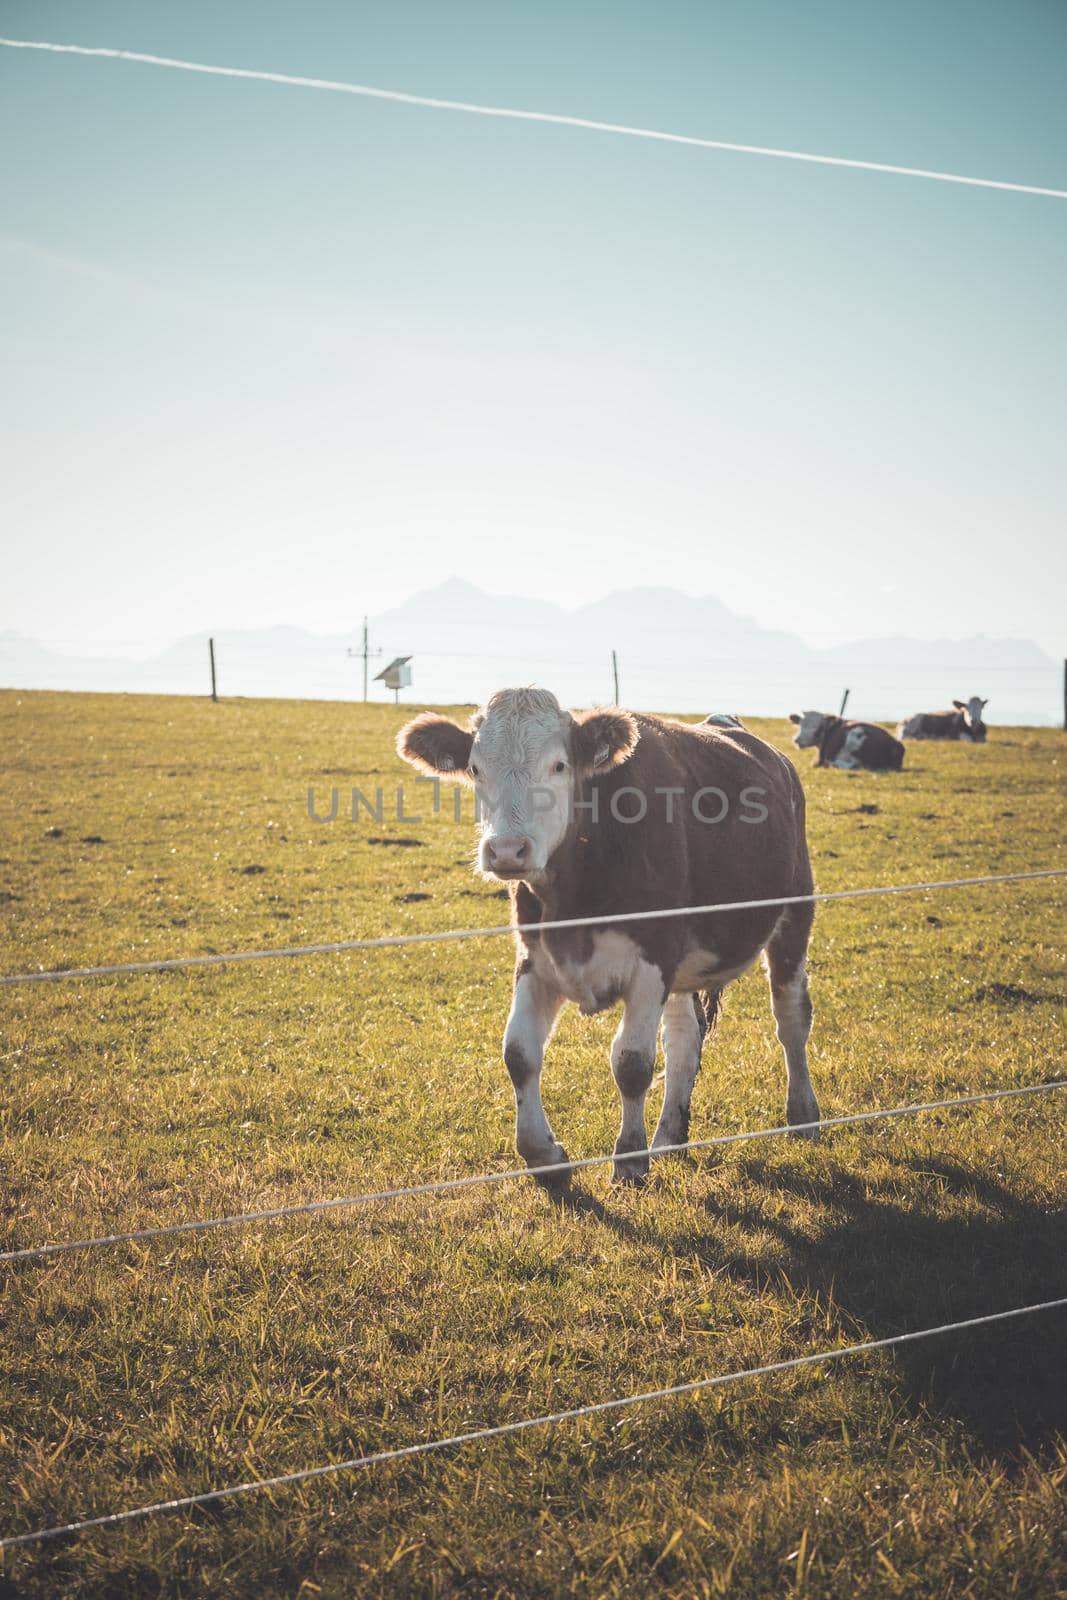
561, 766
474, 771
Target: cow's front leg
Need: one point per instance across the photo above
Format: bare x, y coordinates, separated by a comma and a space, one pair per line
633, 1059
535, 1006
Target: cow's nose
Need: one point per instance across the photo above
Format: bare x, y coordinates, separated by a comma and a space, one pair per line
507, 854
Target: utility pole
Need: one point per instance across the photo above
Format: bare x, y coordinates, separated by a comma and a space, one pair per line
211, 657
365, 653
615, 674
844, 702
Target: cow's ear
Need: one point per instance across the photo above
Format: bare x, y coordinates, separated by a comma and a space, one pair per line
794, 716
436, 746
959, 705
604, 739
984, 704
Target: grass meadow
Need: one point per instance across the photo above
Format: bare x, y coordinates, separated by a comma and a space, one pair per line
139, 827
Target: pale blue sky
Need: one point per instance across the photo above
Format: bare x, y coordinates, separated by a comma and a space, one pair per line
276, 355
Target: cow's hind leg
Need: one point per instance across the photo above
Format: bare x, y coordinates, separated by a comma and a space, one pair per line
633, 1059
534, 1009
686, 1020
785, 959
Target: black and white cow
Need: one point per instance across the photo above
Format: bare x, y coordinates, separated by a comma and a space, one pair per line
846, 744
965, 723
607, 812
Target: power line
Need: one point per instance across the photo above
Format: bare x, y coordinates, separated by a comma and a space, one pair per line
554, 1169
391, 941
558, 119
673, 1391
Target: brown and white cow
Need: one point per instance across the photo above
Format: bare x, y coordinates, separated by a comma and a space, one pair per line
847, 744
965, 723
607, 812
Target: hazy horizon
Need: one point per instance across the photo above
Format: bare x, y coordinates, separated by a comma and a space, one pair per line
136, 648
673, 651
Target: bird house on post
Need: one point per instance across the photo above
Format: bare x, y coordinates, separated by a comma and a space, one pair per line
396, 676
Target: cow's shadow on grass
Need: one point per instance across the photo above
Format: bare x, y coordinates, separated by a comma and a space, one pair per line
893, 1257
578, 1201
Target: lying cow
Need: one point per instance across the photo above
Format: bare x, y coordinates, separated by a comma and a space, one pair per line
846, 744
965, 723
606, 812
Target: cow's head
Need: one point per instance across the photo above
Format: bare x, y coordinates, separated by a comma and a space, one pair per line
524, 755
972, 717
809, 728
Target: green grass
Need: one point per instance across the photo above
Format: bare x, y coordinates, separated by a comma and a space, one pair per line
141, 1373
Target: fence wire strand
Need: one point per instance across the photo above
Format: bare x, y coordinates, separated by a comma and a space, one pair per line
288, 1480
553, 1170
498, 930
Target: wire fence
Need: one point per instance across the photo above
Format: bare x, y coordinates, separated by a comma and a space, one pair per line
289, 1480
552, 1170
498, 930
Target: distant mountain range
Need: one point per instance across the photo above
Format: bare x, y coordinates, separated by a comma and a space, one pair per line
675, 652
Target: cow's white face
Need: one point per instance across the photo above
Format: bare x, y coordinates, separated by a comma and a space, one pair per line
809, 727
523, 753
972, 711
524, 779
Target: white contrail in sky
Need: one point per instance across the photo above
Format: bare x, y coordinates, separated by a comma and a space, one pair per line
524, 116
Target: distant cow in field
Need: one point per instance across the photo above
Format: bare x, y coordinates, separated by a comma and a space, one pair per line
965, 723
846, 744
607, 812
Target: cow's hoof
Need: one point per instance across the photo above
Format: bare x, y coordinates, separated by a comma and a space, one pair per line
803, 1122
630, 1171
554, 1182
813, 1135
